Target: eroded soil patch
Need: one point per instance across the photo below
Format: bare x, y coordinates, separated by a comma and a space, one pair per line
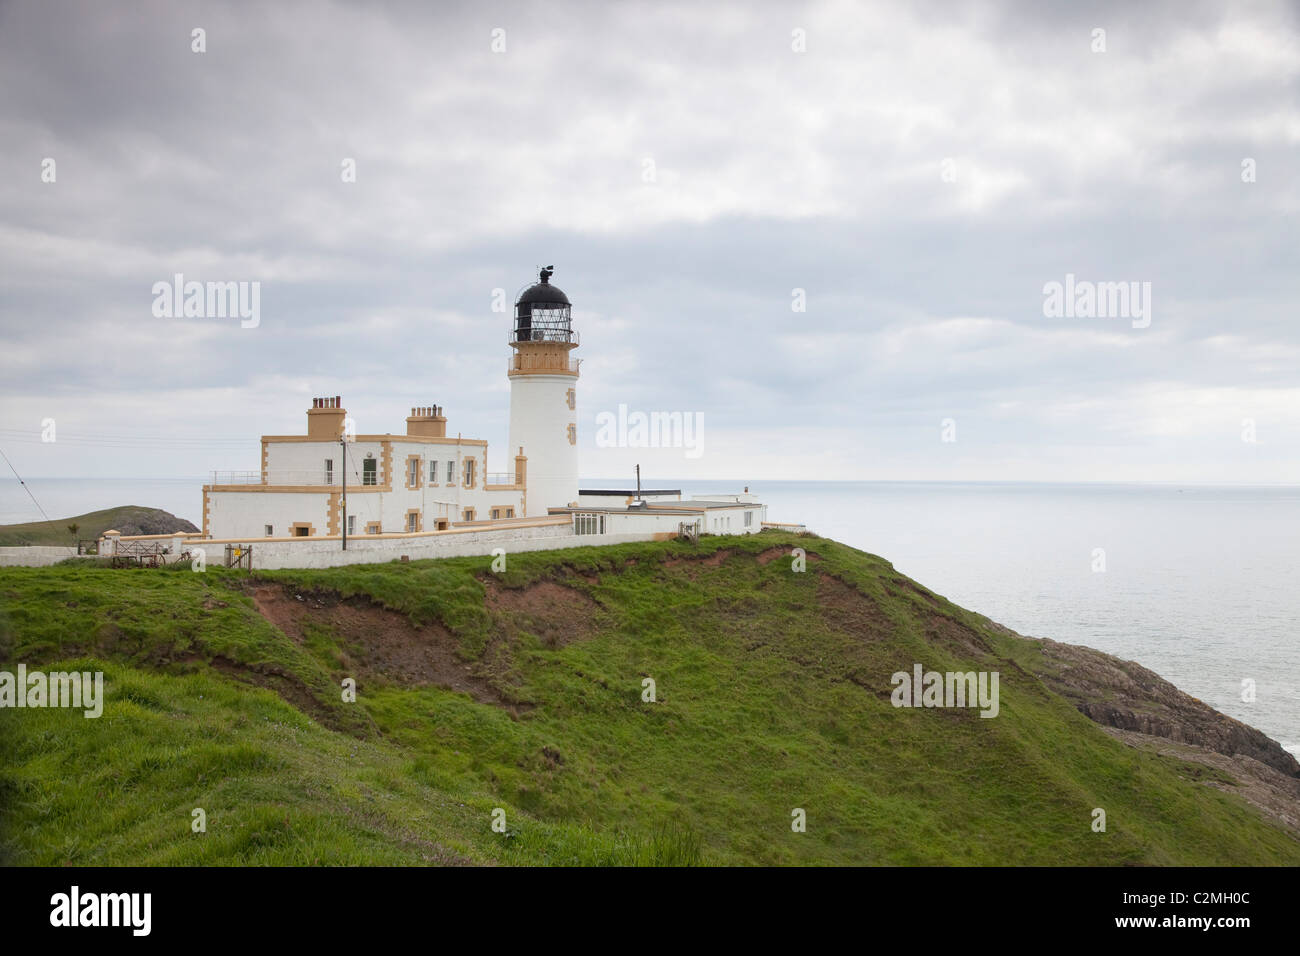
906, 584
777, 551
845, 608
374, 641
556, 615
956, 636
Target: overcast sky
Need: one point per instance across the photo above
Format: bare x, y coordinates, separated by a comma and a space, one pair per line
920, 173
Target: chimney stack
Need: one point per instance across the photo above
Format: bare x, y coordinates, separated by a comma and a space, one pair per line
325, 419
426, 421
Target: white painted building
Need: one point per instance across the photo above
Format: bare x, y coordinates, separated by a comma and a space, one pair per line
331, 481
421, 480
623, 512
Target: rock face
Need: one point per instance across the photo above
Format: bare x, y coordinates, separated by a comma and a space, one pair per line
154, 521
1127, 696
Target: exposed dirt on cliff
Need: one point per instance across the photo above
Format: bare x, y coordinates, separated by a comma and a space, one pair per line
555, 614
591, 577
374, 641
900, 585
944, 631
286, 685
845, 608
772, 554
693, 563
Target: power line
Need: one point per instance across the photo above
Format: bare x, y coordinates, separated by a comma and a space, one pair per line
25, 488
140, 441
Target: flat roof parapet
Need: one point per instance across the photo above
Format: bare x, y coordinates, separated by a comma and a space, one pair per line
630, 491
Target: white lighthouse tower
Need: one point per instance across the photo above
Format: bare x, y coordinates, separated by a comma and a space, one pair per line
543, 395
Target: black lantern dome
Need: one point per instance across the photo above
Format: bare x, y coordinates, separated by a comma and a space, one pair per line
543, 313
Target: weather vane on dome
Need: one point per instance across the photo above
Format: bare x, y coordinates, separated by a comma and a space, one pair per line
546, 273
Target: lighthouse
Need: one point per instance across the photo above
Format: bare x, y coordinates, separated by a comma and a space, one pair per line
543, 395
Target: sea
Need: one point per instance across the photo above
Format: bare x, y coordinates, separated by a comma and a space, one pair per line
1198, 583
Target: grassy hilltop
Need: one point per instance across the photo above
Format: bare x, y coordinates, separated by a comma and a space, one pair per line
128, 519
523, 691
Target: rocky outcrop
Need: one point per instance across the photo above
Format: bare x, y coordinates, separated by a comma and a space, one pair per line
153, 521
1128, 696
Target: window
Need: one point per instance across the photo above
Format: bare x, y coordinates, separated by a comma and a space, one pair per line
469, 472
496, 513
412, 521
749, 519
372, 527
433, 471
329, 471
413, 472
469, 514
352, 524
573, 434
269, 531
510, 512
451, 472
588, 524
368, 472
571, 398
300, 530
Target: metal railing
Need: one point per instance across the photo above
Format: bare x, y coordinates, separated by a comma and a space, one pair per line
500, 478
312, 476
544, 334
235, 478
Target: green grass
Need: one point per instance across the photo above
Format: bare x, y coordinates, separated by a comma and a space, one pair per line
767, 702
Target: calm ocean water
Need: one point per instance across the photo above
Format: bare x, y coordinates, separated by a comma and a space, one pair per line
1200, 583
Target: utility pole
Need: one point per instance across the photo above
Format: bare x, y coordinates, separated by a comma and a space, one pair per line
638, 482
343, 449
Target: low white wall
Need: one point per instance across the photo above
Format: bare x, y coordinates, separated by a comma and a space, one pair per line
329, 554
36, 556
